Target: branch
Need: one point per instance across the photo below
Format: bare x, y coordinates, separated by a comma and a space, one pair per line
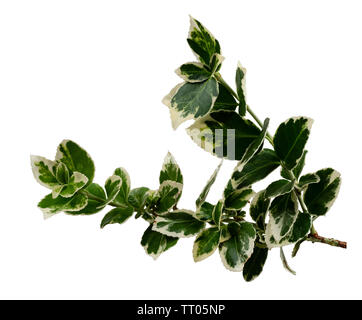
314, 237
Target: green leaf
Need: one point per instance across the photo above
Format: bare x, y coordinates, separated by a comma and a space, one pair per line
137, 198
76, 182
156, 243
216, 61
94, 206
62, 173
170, 170
308, 179
278, 188
238, 199
238, 249
240, 89
290, 140
193, 72
283, 214
224, 134
51, 206
168, 194
225, 100
122, 196
203, 195
204, 212
259, 208
178, 223
113, 186
191, 100
301, 227
202, 42
217, 213
206, 244
255, 264
76, 159
44, 171
319, 197
258, 167
117, 215
297, 170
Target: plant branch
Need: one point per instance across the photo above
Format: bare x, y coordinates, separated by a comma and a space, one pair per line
315, 237
100, 200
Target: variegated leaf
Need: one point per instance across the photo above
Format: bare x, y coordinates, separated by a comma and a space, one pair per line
170, 170
178, 223
168, 194
76, 159
225, 100
217, 213
93, 205
238, 249
117, 215
259, 207
138, 197
240, 88
290, 140
44, 171
278, 188
51, 206
122, 196
76, 182
62, 173
224, 134
156, 243
204, 212
319, 197
191, 100
202, 42
203, 195
255, 264
193, 72
113, 186
238, 198
308, 179
206, 244
258, 167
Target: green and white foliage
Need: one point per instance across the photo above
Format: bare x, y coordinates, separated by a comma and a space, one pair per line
319, 197
282, 213
155, 243
206, 243
178, 223
224, 134
203, 195
290, 140
238, 249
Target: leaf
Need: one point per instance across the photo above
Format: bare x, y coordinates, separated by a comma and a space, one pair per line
216, 61
206, 244
122, 196
278, 188
283, 213
290, 140
178, 223
94, 206
254, 265
191, 100
238, 199
76, 182
217, 213
113, 186
204, 212
225, 100
76, 159
319, 197
168, 193
51, 206
156, 243
308, 179
170, 170
238, 249
224, 134
117, 215
203, 195
193, 72
240, 89
62, 173
44, 171
285, 262
259, 208
137, 198
297, 170
202, 42
258, 167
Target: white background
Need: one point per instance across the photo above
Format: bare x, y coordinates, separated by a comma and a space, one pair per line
96, 71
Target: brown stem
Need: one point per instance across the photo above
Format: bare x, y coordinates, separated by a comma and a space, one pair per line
315, 237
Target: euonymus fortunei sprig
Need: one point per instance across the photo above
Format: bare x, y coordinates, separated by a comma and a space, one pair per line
281, 214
